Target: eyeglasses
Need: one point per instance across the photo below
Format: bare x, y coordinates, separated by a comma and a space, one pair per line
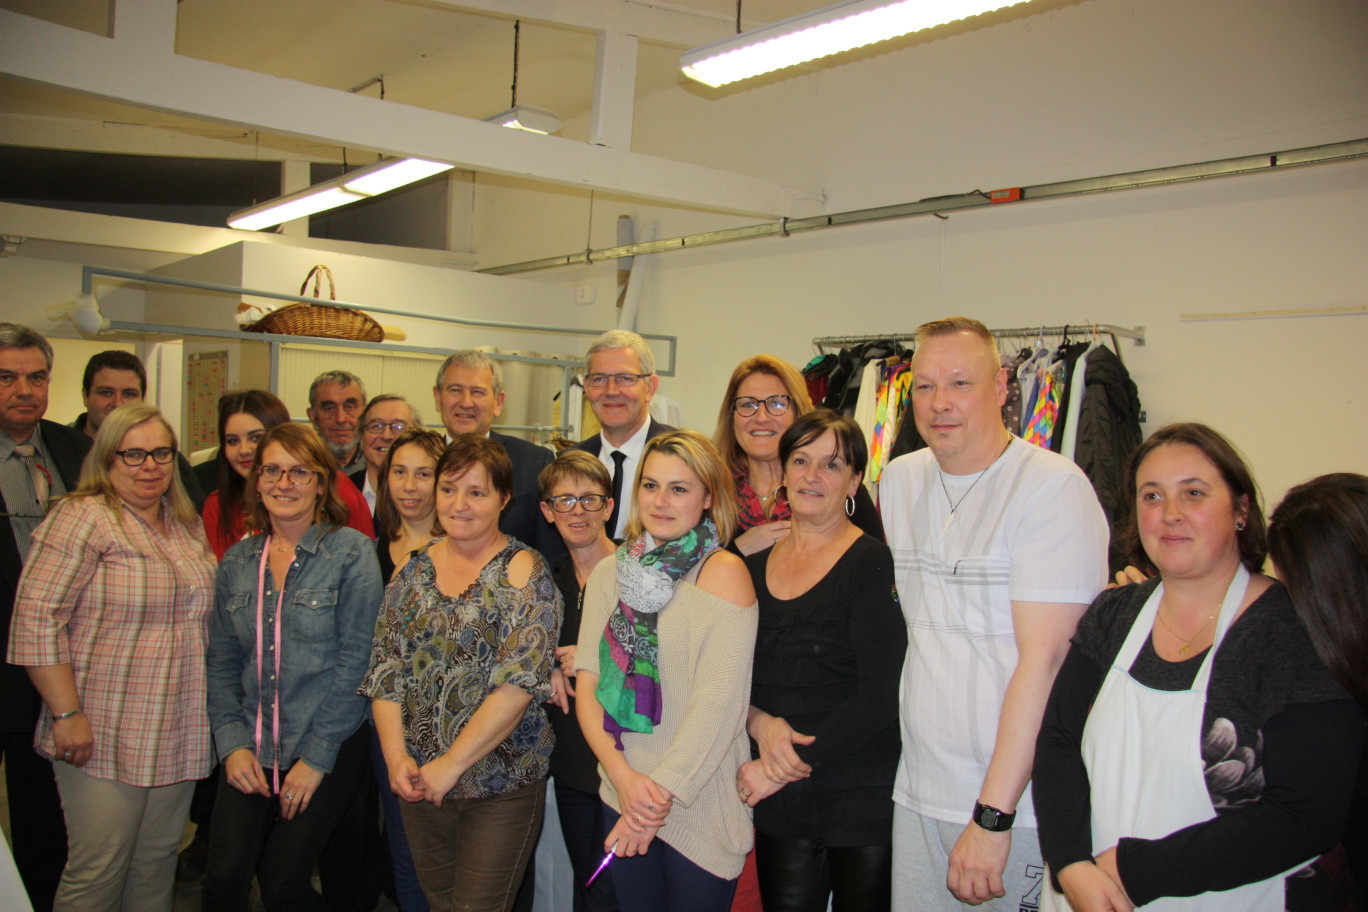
623, 381
378, 427
566, 502
299, 475
161, 456
745, 406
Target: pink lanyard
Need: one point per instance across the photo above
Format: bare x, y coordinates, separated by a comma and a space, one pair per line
275, 708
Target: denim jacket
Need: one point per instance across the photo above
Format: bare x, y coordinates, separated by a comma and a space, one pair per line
332, 595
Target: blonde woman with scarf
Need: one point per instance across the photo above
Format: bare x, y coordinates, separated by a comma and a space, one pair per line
664, 665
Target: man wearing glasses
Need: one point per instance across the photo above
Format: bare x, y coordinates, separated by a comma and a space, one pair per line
336, 399
39, 461
620, 380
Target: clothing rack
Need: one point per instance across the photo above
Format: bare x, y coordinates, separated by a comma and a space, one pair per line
1137, 334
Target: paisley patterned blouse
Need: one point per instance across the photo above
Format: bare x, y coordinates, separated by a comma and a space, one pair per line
438, 657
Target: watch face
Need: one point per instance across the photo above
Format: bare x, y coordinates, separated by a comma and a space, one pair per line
987, 818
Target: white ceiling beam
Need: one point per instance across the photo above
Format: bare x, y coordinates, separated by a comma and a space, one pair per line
77, 134
87, 229
658, 22
77, 61
610, 119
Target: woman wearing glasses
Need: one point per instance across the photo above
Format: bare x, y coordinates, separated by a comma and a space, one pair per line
294, 612
383, 420
574, 491
763, 399
244, 417
110, 619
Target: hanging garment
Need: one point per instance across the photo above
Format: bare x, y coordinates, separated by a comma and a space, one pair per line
1011, 407
1108, 433
1073, 404
1040, 426
1069, 354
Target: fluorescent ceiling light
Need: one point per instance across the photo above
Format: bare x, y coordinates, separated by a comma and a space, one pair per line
526, 117
830, 30
373, 180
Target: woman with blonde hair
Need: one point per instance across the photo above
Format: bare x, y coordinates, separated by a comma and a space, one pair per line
764, 396
663, 663
110, 619
294, 611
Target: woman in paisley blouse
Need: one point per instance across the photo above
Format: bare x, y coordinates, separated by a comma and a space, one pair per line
462, 659
763, 399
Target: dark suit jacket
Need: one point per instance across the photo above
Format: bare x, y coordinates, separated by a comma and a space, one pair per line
522, 519
18, 699
594, 446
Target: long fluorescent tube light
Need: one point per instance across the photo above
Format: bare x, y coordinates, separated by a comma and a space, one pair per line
830, 30
373, 180
526, 117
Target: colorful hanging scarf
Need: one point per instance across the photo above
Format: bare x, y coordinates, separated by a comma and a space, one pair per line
629, 674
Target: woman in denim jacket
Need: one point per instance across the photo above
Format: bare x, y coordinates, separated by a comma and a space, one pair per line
289, 639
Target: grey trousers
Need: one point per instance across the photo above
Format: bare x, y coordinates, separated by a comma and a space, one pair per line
921, 858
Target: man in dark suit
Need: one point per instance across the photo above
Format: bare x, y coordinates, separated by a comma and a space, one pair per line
34, 454
620, 380
469, 395
114, 378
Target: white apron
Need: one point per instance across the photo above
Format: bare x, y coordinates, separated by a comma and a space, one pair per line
1142, 749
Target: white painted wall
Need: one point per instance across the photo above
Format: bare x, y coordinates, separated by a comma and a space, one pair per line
1080, 90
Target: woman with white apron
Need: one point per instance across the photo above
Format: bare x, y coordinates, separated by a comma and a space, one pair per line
1195, 751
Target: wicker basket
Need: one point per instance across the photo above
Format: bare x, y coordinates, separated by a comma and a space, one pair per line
319, 320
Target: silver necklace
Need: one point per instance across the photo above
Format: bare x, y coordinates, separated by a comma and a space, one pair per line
955, 504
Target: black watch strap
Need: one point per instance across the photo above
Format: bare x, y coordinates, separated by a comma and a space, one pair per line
991, 819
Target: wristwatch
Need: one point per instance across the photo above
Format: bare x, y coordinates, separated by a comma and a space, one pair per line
991, 819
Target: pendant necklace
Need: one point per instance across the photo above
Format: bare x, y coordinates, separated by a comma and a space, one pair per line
955, 504
1187, 644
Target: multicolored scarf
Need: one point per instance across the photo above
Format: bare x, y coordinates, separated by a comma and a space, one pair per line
629, 673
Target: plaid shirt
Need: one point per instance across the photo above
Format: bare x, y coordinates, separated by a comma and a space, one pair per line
128, 609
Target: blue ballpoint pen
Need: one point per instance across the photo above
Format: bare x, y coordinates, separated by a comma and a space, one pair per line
602, 864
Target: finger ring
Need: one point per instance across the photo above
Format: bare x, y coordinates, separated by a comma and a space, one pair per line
638, 818
66, 755
289, 797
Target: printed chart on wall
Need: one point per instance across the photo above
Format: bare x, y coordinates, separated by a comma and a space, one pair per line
206, 378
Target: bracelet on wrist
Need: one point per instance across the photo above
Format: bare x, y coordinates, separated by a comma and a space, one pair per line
66, 715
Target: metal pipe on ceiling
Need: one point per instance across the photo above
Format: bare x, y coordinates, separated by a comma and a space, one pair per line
1133, 180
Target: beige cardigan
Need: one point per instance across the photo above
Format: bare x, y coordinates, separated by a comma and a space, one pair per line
706, 649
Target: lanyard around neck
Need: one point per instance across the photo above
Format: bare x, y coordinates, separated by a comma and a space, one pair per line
275, 690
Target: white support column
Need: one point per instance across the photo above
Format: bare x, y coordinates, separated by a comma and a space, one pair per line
294, 175
149, 25
610, 123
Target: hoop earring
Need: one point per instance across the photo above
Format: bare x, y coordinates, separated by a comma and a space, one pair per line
850, 506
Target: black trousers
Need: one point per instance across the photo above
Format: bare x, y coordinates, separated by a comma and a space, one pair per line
249, 838
36, 823
797, 875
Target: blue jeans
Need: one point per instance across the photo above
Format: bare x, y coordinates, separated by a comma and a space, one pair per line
406, 886
663, 880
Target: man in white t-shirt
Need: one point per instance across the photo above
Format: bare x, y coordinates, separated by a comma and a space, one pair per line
998, 548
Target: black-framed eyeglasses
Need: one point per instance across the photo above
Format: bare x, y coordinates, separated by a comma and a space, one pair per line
378, 427
566, 502
161, 456
299, 475
745, 406
623, 381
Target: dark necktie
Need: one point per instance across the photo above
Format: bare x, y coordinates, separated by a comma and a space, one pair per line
619, 458
37, 473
